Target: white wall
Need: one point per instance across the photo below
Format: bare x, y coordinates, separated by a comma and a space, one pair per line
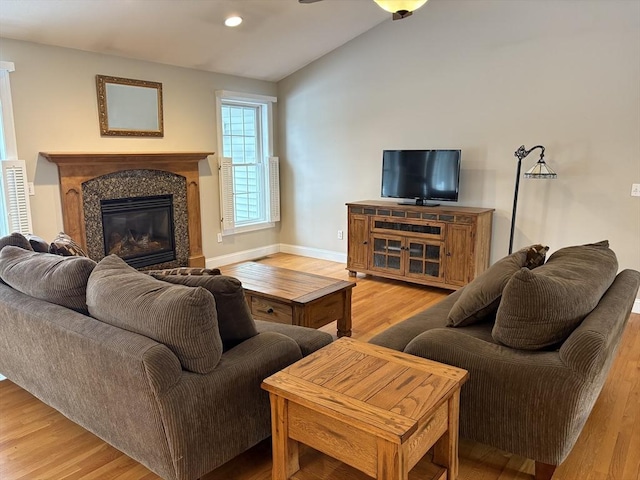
485, 76
55, 110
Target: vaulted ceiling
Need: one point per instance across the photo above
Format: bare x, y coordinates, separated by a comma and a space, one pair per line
276, 38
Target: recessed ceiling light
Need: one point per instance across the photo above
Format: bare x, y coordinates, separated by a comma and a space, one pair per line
233, 21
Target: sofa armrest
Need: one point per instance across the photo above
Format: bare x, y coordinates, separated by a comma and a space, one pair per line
590, 349
211, 418
525, 402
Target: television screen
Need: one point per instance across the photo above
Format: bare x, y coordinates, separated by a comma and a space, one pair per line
421, 174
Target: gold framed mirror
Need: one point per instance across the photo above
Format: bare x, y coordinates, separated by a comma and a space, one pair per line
129, 108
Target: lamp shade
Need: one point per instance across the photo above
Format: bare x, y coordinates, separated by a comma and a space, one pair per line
394, 6
540, 170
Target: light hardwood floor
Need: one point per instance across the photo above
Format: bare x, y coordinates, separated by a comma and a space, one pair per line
36, 442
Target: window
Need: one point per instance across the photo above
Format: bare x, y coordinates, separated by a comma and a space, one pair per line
14, 201
249, 179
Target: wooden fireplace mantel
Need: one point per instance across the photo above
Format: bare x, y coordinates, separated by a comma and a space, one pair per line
76, 168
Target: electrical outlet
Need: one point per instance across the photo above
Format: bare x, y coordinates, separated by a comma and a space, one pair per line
219, 238
31, 188
340, 235
635, 190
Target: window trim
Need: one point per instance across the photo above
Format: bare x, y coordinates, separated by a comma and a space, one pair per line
267, 161
8, 125
15, 208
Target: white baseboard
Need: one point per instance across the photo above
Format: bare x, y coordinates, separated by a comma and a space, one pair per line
247, 255
636, 306
242, 256
314, 253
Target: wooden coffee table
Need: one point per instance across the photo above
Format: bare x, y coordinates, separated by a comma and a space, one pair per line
373, 408
297, 298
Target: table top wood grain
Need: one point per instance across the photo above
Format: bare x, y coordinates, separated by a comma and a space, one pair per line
379, 390
284, 284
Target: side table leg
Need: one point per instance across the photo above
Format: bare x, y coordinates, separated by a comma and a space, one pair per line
391, 462
445, 452
285, 450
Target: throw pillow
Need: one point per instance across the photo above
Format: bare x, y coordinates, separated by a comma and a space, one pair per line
55, 279
481, 297
64, 245
540, 308
182, 318
235, 321
37, 244
185, 271
16, 239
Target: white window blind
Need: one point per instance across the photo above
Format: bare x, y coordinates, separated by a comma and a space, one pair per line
227, 193
273, 174
14, 182
227, 214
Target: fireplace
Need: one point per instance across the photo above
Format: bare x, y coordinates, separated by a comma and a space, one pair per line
88, 178
139, 229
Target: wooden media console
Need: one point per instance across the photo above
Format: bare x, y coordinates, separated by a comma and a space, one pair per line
439, 246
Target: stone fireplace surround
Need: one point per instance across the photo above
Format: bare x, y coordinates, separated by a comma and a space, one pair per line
77, 170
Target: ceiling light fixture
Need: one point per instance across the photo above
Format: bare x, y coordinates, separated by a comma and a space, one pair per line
233, 21
400, 8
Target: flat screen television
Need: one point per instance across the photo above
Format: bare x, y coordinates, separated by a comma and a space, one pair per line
422, 175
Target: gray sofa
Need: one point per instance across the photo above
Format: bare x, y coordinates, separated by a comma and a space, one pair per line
537, 342
95, 360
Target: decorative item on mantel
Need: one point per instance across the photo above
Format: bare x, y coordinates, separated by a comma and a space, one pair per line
539, 170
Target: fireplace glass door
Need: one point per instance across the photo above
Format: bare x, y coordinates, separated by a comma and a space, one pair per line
139, 229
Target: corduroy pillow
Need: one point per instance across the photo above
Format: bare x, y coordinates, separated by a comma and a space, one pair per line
185, 271
540, 308
37, 244
235, 321
481, 297
55, 279
182, 318
15, 239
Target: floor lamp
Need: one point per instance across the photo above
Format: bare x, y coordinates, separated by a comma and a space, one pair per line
539, 170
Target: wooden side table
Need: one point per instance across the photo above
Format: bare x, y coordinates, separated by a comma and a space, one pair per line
373, 408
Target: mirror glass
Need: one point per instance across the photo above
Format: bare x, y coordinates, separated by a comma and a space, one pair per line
128, 107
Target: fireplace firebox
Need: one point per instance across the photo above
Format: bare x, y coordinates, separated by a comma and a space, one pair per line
139, 229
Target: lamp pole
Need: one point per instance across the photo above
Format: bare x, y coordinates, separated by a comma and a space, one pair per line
520, 154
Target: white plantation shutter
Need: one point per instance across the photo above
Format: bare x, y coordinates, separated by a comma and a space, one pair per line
273, 176
227, 209
14, 182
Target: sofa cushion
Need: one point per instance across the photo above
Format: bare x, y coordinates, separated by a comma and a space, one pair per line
17, 240
540, 308
64, 245
235, 321
481, 297
37, 244
55, 279
182, 318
